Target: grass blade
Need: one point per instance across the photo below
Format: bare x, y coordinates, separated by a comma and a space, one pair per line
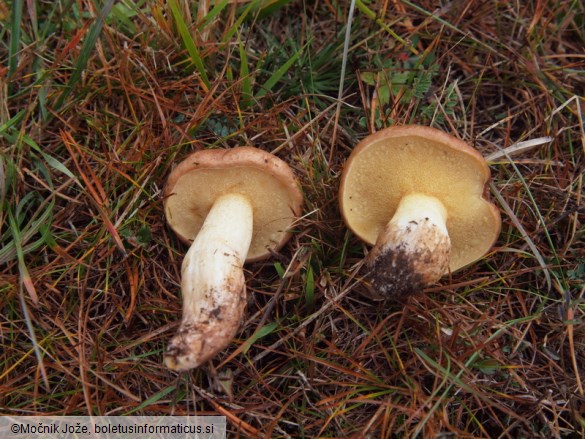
310, 288
213, 13
154, 398
25, 278
33, 338
15, 27
13, 121
237, 24
189, 43
11, 250
245, 75
86, 51
372, 15
535, 252
262, 332
278, 74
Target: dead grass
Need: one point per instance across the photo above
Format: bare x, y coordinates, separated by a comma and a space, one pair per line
94, 115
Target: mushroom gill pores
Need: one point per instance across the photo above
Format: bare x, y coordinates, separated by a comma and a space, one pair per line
236, 205
417, 195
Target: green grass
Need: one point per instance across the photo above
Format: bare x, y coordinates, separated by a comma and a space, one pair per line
100, 99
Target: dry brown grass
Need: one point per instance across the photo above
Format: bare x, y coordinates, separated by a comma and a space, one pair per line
495, 350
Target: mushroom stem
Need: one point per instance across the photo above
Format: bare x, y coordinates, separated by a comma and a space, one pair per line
413, 250
212, 284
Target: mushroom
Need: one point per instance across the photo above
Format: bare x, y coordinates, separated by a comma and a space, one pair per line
416, 194
235, 206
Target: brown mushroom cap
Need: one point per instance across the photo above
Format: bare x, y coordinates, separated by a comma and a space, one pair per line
265, 180
398, 161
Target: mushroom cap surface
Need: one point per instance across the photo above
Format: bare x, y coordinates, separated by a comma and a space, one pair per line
397, 161
264, 179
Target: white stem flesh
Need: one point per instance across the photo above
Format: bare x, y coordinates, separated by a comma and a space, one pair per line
212, 284
414, 248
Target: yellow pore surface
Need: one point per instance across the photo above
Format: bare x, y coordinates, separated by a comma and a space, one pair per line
195, 192
383, 172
